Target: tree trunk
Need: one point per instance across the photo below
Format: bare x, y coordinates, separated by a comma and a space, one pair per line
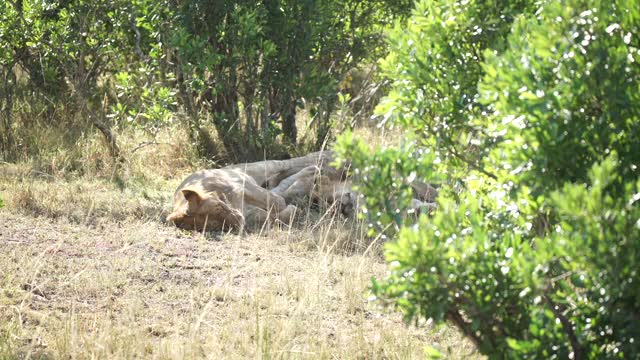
250, 128
289, 121
324, 124
199, 138
7, 142
226, 112
114, 150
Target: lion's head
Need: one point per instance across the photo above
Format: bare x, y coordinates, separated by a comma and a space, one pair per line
196, 209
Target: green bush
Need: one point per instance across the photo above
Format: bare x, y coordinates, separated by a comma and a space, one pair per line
532, 252
565, 94
435, 64
254, 64
244, 68
573, 291
393, 170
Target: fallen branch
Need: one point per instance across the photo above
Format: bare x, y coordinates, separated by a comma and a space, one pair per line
147, 143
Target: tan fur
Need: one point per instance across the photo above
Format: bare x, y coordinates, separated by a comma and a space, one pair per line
234, 196
270, 173
254, 193
323, 184
338, 194
221, 199
424, 192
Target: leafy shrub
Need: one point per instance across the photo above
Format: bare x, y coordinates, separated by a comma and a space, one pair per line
142, 104
240, 67
532, 253
435, 64
253, 65
571, 293
564, 94
392, 169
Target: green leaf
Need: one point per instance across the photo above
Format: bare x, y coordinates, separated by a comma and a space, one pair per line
432, 353
514, 344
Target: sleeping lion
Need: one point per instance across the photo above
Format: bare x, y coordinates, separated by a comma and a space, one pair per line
238, 195
248, 195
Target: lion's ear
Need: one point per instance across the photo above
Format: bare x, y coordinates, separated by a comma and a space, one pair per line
194, 197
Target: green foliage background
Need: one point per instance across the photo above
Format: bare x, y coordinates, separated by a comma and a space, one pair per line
530, 111
241, 69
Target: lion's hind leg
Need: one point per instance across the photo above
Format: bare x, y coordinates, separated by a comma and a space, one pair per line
298, 185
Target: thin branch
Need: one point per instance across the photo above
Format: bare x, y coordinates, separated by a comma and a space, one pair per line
471, 163
455, 317
136, 31
147, 143
578, 351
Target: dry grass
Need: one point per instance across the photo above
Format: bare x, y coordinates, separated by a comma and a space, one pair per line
88, 269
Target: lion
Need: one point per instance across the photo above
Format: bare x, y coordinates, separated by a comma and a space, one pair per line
328, 185
251, 194
324, 184
238, 195
271, 173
